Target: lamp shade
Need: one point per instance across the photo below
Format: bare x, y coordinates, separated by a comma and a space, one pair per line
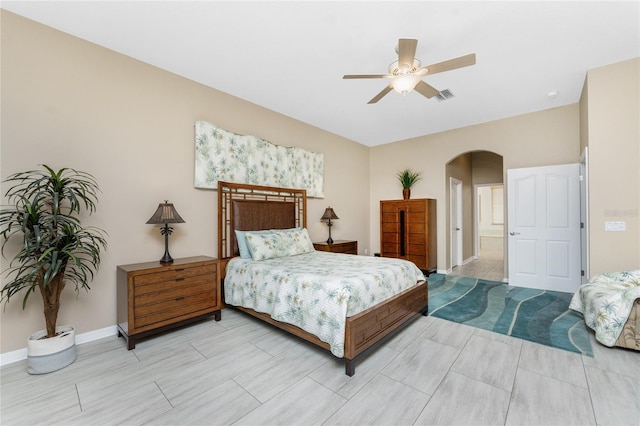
329, 214
165, 213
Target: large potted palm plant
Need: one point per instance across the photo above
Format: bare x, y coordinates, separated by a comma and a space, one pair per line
54, 248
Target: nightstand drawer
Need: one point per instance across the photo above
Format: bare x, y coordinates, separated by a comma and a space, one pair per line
339, 246
170, 290
174, 274
169, 309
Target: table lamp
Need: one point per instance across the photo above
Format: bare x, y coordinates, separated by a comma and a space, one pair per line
165, 214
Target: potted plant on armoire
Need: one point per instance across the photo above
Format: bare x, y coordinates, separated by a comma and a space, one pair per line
407, 178
53, 249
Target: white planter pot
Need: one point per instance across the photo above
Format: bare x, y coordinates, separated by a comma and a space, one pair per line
47, 355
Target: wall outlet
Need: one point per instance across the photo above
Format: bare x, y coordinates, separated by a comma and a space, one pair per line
365, 251
615, 226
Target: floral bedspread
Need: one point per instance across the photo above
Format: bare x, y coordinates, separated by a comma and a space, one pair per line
317, 291
606, 301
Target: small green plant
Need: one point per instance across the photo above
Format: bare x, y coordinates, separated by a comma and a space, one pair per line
54, 246
408, 178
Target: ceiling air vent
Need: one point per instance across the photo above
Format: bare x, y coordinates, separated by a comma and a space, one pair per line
444, 95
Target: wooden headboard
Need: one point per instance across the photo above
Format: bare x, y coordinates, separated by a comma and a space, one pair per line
253, 208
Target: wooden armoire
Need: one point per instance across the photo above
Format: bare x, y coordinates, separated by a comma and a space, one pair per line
408, 231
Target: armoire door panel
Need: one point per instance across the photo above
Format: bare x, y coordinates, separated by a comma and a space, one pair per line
390, 227
417, 207
390, 248
416, 250
389, 237
416, 228
419, 217
391, 217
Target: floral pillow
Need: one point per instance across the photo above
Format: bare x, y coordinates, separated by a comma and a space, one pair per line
299, 241
283, 243
242, 242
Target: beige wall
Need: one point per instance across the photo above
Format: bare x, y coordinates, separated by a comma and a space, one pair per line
69, 103
487, 168
611, 111
538, 139
584, 117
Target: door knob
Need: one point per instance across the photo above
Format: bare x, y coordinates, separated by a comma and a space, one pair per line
514, 233
457, 229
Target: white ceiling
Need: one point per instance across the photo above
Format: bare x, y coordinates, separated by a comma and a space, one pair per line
290, 56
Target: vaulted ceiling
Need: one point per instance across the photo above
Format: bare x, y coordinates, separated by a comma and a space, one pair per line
290, 56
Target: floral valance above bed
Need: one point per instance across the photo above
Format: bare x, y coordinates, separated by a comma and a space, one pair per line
225, 156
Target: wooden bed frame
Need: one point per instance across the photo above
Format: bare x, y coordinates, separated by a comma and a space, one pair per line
250, 207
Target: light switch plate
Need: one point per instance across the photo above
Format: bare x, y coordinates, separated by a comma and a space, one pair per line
615, 226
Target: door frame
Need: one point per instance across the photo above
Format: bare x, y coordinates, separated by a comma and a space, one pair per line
455, 217
584, 213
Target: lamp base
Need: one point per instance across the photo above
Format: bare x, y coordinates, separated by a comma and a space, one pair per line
330, 240
166, 259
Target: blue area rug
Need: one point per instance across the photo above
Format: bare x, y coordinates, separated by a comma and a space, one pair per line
540, 316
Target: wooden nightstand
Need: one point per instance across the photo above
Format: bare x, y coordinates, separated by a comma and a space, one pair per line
338, 246
153, 297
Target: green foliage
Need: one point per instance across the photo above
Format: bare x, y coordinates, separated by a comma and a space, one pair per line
408, 178
44, 210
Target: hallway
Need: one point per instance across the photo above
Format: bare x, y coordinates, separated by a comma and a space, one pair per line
488, 266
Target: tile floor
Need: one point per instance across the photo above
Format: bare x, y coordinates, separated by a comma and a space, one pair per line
489, 266
241, 371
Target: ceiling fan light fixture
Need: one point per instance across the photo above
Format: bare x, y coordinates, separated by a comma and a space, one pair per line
405, 74
396, 69
404, 83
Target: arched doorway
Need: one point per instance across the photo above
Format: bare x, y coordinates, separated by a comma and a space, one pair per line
475, 215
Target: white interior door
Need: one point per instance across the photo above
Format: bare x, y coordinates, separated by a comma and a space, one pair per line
543, 207
456, 222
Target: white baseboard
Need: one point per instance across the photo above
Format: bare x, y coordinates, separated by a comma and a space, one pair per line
464, 262
20, 354
90, 336
470, 259
13, 356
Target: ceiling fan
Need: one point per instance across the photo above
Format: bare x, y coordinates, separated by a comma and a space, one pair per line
406, 73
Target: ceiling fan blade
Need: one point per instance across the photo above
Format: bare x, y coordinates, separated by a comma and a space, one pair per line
451, 64
406, 51
379, 96
365, 76
426, 90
